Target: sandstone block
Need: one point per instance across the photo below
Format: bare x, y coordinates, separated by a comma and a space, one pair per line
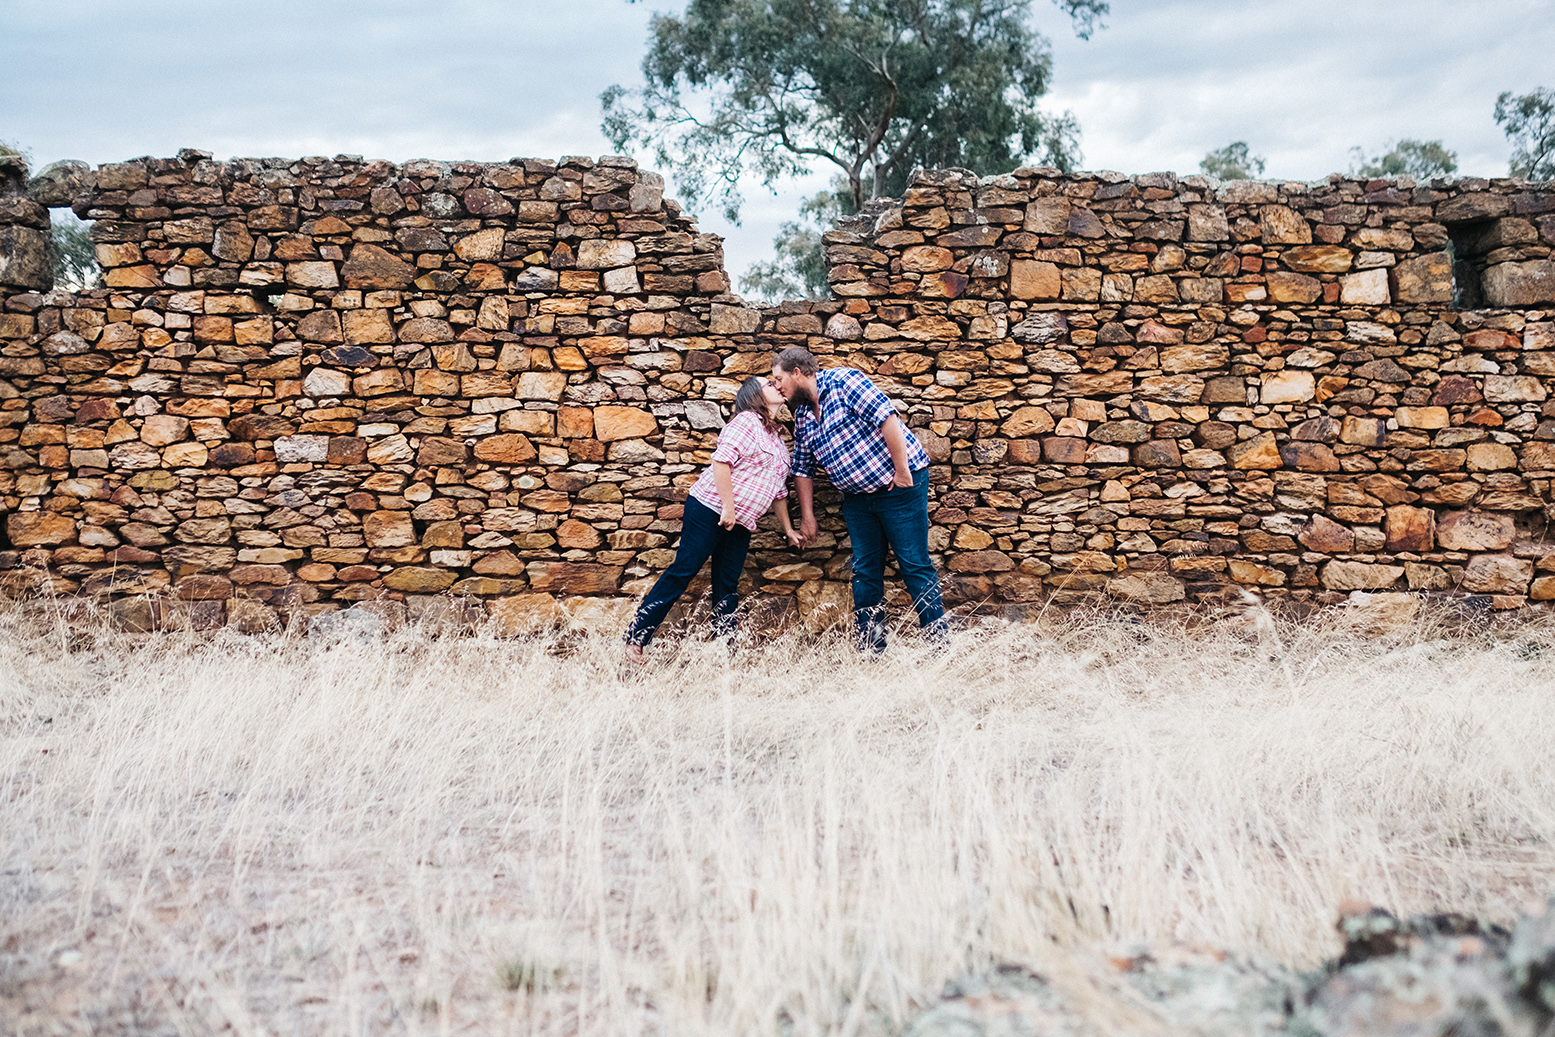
605, 254
388, 529
1497, 574
1410, 529
312, 274
616, 423
1298, 288
1491, 457
1513, 389
1423, 280
39, 528
1200, 357
1520, 284
1474, 531
1324, 534
1366, 288
416, 579
1287, 387
1032, 279
1026, 422
1360, 576
1281, 225
1150, 588
506, 448
372, 267
1422, 417
1260, 452
541, 385
1318, 259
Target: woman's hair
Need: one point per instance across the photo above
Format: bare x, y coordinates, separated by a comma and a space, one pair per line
752, 397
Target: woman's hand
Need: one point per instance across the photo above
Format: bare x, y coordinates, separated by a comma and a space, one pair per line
727, 519
794, 539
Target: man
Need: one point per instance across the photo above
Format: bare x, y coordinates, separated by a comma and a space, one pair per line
850, 427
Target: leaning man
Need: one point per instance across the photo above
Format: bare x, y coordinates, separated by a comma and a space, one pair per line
851, 428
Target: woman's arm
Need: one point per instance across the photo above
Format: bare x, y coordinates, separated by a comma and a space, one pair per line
723, 478
780, 509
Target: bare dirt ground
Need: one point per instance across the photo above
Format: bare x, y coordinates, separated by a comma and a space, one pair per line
422, 835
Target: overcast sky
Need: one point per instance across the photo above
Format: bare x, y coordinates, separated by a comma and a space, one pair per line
1302, 81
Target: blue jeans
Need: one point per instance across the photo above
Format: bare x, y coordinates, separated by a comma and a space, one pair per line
701, 538
897, 518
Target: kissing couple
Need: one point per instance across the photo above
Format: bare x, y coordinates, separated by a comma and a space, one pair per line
844, 424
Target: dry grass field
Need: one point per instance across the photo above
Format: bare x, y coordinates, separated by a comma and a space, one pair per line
525, 836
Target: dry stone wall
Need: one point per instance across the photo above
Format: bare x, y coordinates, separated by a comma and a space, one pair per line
486, 387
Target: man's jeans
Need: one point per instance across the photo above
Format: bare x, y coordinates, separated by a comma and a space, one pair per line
701, 538
897, 518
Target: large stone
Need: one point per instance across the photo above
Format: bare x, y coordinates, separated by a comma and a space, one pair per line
1201, 357
1287, 387
1318, 259
1497, 574
1149, 588
1474, 531
371, 267
1026, 422
573, 577
1260, 452
1033, 279
524, 613
1424, 279
58, 183
417, 579
1281, 225
1360, 576
1410, 529
1322, 533
39, 528
24, 259
615, 423
1299, 288
389, 529
1365, 288
605, 254
1520, 284
507, 448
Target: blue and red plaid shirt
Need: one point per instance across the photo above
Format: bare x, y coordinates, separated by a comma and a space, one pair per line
846, 438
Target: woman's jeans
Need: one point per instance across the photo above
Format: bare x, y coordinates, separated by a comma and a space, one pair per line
701, 538
897, 518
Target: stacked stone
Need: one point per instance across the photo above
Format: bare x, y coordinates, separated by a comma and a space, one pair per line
307, 384
1155, 388
312, 383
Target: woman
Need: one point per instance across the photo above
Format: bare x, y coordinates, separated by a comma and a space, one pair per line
748, 475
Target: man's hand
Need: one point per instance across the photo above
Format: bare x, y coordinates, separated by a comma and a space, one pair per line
901, 479
727, 519
807, 529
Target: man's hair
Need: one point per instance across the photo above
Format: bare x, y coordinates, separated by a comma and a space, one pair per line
796, 358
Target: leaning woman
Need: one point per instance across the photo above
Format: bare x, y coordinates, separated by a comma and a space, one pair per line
749, 474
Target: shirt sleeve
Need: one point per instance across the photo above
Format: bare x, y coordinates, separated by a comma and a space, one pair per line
866, 400
735, 441
803, 463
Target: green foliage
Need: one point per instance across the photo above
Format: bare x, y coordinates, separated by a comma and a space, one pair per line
798, 269
1421, 159
1235, 161
875, 88
72, 252
1529, 123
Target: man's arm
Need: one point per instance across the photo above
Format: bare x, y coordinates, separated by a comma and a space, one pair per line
896, 442
805, 488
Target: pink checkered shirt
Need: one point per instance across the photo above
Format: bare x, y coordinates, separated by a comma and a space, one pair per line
758, 463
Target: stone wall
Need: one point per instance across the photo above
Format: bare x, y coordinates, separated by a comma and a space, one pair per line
488, 386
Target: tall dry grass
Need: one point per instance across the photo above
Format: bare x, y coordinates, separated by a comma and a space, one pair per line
525, 836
